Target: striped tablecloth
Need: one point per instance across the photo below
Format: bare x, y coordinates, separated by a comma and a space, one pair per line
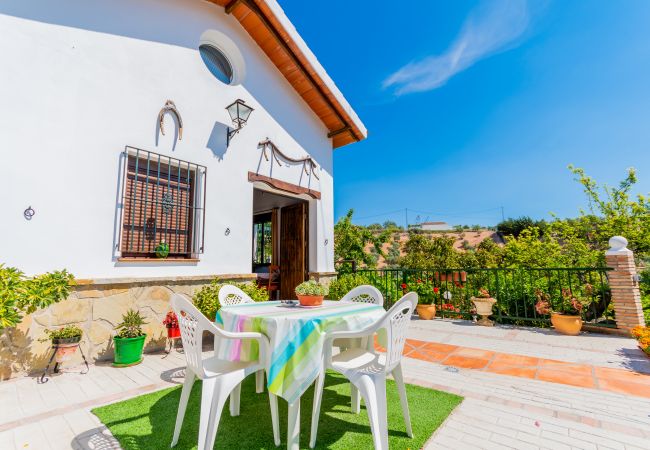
296, 334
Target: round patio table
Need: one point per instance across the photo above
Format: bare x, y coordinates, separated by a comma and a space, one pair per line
296, 335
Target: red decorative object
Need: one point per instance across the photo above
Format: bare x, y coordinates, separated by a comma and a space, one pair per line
173, 333
171, 323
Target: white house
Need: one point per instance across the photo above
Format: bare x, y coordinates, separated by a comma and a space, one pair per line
115, 144
83, 83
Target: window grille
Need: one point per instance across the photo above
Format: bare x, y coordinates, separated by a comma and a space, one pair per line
163, 202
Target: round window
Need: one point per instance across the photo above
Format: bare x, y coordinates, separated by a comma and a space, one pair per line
217, 63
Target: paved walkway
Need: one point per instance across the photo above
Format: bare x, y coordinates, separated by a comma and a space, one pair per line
499, 411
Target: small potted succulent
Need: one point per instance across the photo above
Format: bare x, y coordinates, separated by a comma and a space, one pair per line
426, 298
566, 314
129, 341
311, 293
171, 323
66, 340
483, 302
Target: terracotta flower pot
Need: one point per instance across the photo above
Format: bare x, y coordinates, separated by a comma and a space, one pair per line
426, 312
566, 324
310, 300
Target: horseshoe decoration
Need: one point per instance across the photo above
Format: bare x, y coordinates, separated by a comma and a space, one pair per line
170, 107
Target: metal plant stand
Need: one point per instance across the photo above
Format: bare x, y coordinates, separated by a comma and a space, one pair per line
44, 378
171, 341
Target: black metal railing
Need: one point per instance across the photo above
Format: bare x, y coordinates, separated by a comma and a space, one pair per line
515, 290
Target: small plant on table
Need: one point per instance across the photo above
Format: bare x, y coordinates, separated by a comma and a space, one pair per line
311, 293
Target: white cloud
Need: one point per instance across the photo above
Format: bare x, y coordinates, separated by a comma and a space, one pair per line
491, 28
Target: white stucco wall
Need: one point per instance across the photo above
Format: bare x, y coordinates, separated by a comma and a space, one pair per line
82, 79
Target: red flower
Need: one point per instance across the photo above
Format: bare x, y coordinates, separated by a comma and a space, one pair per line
419, 281
436, 290
404, 286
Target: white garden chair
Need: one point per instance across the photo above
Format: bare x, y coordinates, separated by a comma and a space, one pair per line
360, 294
367, 370
221, 378
231, 295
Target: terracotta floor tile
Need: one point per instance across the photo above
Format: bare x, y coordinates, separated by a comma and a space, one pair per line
473, 353
427, 355
517, 360
622, 375
564, 377
624, 387
567, 368
513, 370
438, 347
466, 362
415, 343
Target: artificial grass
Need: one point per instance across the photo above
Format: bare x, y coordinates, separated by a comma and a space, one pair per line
147, 421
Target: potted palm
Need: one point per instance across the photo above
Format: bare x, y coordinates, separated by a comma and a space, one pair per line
483, 302
566, 314
129, 340
171, 323
65, 340
311, 293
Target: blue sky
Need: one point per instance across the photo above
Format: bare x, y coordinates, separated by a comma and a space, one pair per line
471, 106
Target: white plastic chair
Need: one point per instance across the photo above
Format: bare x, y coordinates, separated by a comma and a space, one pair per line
367, 370
221, 378
360, 294
231, 295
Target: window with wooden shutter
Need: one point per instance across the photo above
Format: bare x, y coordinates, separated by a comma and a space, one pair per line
163, 206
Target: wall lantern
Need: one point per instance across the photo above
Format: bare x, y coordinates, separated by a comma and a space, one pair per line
239, 113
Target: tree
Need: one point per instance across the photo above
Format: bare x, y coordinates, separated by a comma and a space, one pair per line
350, 241
514, 227
423, 252
613, 211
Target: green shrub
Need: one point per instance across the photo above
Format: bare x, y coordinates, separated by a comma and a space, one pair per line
311, 287
131, 325
20, 295
345, 283
67, 332
207, 298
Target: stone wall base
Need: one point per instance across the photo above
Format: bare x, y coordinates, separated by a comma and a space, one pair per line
96, 306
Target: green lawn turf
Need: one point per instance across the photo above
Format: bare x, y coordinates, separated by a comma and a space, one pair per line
147, 421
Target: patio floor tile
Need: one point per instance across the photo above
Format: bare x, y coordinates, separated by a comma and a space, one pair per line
473, 353
517, 360
625, 387
566, 377
512, 370
442, 348
466, 362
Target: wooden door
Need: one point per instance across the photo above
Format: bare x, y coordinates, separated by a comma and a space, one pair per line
293, 244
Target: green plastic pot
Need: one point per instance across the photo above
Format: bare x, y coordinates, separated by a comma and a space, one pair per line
128, 351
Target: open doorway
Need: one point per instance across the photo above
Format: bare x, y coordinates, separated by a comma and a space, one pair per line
280, 242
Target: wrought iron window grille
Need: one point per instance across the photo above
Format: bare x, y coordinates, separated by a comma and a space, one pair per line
163, 201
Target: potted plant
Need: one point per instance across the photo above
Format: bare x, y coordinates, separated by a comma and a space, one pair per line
483, 302
642, 335
162, 250
311, 293
129, 340
565, 315
171, 323
66, 340
426, 294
